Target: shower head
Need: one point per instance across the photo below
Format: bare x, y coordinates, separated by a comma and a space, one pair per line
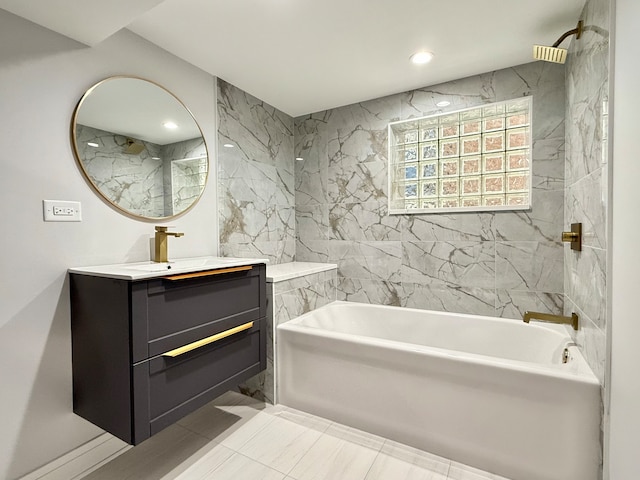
133, 147
553, 53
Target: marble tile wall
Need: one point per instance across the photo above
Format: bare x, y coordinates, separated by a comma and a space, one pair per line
287, 300
135, 182
185, 173
256, 189
498, 263
587, 87
150, 183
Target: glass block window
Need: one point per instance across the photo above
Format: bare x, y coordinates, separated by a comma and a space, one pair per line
475, 159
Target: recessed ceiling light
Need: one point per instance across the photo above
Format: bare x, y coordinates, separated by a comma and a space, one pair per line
420, 58
443, 103
228, 145
170, 125
299, 159
92, 144
155, 158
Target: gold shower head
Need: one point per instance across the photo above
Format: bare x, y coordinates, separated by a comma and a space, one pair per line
133, 147
550, 54
553, 53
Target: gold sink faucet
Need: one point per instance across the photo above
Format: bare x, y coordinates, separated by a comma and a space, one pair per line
161, 243
547, 317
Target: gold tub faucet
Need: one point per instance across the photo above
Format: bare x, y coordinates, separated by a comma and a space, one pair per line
547, 317
161, 243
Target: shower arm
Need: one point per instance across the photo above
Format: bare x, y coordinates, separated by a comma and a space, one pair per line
576, 31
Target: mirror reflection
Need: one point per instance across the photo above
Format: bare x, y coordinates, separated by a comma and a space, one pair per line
140, 148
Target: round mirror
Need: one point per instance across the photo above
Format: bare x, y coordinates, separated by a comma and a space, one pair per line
140, 148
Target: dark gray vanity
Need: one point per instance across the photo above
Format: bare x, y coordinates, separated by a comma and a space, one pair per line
147, 351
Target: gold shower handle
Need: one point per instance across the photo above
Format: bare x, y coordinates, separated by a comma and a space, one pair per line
208, 340
574, 236
569, 236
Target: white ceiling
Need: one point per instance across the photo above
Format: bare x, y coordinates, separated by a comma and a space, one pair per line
136, 108
303, 56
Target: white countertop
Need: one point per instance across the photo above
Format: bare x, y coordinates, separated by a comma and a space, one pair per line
287, 271
149, 269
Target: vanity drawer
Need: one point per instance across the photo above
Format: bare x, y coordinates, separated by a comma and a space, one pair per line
181, 384
206, 299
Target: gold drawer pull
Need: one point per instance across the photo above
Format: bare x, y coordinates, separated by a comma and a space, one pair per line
207, 341
208, 273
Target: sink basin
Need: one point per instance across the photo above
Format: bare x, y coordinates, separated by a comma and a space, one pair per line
183, 264
143, 270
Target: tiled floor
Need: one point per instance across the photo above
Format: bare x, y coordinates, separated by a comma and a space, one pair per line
238, 438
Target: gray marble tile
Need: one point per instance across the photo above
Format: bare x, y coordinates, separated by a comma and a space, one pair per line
586, 202
369, 291
466, 264
548, 164
312, 222
543, 223
311, 173
449, 298
448, 227
586, 284
305, 281
591, 340
294, 303
134, 182
537, 79
358, 133
256, 128
363, 221
357, 183
380, 261
312, 251
532, 266
513, 303
587, 88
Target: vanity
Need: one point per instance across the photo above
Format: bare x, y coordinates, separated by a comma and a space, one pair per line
152, 342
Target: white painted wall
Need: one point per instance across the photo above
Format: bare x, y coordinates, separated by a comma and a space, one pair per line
623, 459
42, 76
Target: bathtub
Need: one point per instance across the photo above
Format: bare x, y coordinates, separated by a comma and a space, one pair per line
488, 392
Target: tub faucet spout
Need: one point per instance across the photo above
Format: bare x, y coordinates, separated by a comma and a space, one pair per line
161, 243
547, 317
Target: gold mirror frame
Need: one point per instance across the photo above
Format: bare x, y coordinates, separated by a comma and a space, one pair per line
130, 145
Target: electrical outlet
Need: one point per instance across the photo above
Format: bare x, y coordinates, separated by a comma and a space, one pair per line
61, 211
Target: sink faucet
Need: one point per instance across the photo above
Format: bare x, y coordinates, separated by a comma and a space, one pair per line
161, 243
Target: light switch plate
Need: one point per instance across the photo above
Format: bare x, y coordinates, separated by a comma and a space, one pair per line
61, 211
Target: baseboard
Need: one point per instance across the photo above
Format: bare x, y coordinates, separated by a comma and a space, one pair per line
82, 461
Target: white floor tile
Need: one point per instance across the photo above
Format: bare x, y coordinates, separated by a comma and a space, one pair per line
458, 471
356, 436
418, 457
305, 419
240, 438
397, 461
332, 458
224, 416
172, 450
245, 431
204, 467
281, 444
239, 467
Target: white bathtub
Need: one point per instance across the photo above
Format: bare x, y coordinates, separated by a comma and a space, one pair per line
488, 392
